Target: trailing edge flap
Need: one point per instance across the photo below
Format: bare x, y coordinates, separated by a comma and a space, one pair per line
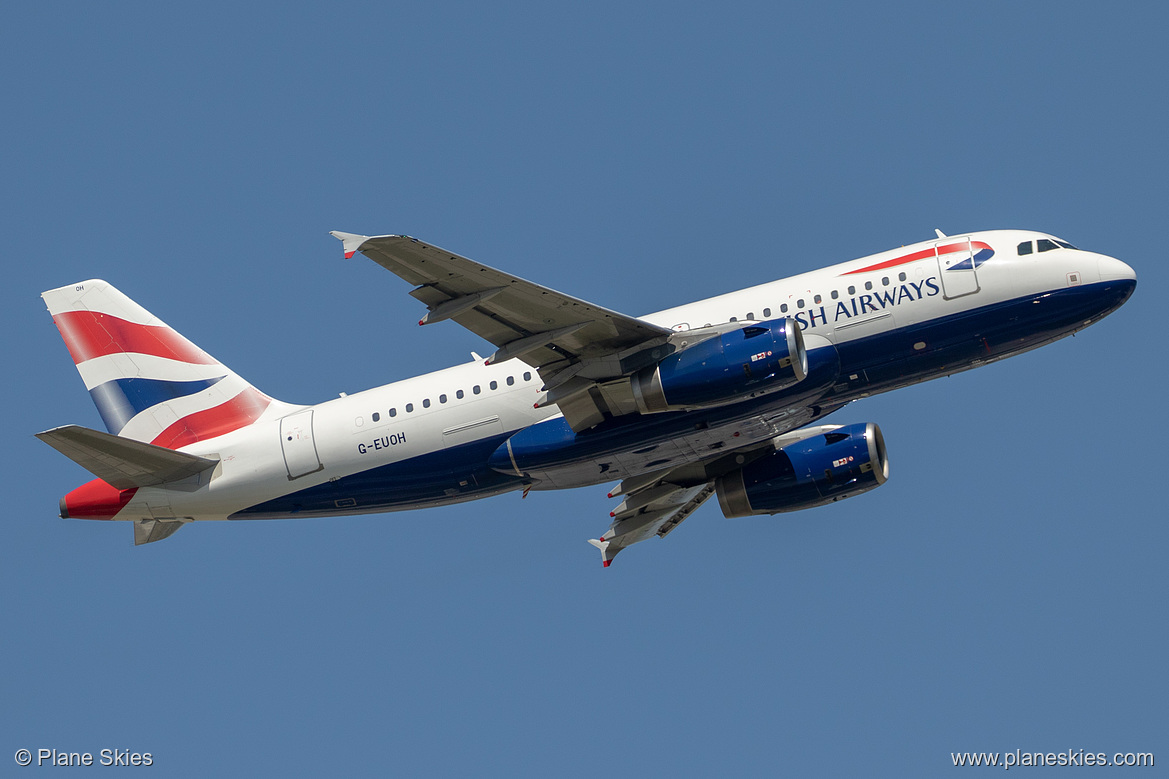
147, 531
123, 463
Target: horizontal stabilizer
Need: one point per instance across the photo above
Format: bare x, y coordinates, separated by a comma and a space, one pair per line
123, 463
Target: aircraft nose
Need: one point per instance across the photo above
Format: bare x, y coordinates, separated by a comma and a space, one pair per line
1112, 269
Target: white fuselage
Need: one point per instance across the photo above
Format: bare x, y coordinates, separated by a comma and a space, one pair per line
416, 420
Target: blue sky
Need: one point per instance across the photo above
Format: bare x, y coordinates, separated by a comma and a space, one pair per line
1005, 590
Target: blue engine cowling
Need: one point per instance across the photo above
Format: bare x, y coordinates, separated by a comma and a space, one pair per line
750, 361
813, 472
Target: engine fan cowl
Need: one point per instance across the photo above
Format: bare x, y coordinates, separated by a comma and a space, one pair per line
813, 472
752, 360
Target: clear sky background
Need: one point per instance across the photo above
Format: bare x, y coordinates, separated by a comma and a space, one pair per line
1005, 590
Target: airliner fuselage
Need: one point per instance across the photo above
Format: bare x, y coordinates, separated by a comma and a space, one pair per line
668, 408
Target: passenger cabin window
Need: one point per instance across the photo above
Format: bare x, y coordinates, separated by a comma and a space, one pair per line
885, 281
751, 316
767, 312
510, 380
442, 398
494, 385
852, 290
818, 298
734, 319
1025, 248
393, 412
426, 402
783, 308
835, 294
1045, 245
375, 416
459, 394
527, 375
799, 304
868, 285
476, 389
901, 276
409, 407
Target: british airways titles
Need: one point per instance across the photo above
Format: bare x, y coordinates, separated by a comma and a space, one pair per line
868, 303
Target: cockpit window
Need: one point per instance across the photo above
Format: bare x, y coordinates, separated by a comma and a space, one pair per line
1045, 245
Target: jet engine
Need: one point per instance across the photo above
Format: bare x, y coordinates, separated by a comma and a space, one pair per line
818, 470
752, 360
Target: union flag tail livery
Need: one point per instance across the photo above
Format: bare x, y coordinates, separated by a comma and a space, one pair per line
156, 392
148, 382
719, 397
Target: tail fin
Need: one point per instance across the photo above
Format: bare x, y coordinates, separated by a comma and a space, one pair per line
149, 383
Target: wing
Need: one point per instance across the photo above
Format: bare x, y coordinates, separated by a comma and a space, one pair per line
576, 346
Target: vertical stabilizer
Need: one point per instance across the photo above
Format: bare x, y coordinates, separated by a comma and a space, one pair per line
148, 382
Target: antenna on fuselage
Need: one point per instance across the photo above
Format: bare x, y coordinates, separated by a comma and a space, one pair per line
940, 233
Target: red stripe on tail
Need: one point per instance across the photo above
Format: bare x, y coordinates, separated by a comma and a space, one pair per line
241, 411
89, 335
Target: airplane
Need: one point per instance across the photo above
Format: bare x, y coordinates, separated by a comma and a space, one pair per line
723, 397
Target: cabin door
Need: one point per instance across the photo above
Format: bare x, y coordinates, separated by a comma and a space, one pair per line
956, 268
296, 439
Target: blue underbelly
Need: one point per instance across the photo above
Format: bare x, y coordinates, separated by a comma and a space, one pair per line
450, 475
939, 347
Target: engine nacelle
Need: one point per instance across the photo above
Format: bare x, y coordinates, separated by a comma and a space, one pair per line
752, 360
813, 472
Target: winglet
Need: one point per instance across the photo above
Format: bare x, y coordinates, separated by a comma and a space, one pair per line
350, 242
603, 545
